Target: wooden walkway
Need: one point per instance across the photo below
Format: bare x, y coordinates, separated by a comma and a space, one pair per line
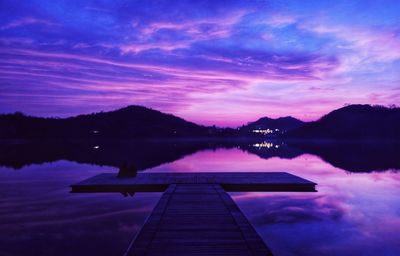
197, 220
195, 216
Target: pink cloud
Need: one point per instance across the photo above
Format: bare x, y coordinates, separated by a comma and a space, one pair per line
280, 20
368, 45
231, 73
27, 21
217, 28
165, 46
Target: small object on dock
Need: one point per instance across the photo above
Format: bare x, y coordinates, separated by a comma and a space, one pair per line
127, 170
195, 216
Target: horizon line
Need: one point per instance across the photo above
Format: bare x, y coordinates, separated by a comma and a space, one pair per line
390, 106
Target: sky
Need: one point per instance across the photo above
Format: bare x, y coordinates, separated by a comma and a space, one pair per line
210, 62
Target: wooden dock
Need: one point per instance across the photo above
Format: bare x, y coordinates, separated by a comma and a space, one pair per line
230, 181
195, 215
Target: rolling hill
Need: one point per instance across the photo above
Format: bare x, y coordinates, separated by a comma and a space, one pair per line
282, 124
353, 122
128, 122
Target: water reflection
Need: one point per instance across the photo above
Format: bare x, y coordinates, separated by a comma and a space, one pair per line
355, 212
352, 157
352, 213
38, 215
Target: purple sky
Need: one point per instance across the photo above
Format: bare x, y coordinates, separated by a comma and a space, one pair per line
211, 62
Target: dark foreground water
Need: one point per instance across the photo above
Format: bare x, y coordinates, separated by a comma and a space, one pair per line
356, 210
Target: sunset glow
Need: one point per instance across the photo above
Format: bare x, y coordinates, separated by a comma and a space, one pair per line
206, 61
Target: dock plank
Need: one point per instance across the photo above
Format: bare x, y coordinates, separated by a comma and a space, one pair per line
197, 219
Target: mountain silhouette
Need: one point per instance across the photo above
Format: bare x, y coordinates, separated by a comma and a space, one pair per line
128, 122
353, 122
132, 122
282, 124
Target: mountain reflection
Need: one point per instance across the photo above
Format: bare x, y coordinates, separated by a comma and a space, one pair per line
145, 154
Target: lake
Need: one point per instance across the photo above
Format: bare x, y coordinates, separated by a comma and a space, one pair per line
356, 210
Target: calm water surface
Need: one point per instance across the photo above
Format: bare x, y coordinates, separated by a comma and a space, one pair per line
353, 213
